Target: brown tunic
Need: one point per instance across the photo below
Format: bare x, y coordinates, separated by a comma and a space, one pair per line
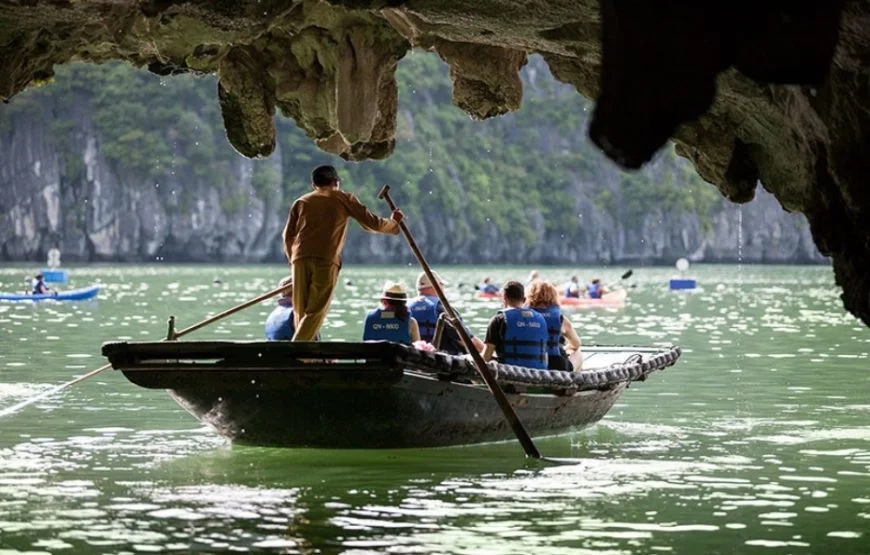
317, 225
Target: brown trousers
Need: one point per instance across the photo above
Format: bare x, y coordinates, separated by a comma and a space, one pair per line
313, 284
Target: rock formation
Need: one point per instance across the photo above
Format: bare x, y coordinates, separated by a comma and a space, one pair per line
773, 92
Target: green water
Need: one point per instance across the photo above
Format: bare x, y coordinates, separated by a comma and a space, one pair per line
758, 440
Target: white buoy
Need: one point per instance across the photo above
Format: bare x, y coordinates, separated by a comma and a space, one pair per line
682, 265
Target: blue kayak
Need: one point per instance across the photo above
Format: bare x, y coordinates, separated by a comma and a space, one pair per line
71, 295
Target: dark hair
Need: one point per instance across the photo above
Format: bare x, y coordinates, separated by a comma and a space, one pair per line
514, 291
399, 307
323, 176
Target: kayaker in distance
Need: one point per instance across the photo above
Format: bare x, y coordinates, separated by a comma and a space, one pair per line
314, 237
517, 334
391, 321
543, 297
486, 286
427, 309
279, 324
572, 288
533, 275
38, 286
594, 290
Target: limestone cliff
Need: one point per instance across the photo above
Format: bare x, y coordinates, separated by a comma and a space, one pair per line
98, 165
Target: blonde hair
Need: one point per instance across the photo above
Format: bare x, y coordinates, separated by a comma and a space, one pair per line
542, 293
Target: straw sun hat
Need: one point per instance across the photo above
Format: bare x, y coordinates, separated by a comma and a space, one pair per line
394, 291
423, 280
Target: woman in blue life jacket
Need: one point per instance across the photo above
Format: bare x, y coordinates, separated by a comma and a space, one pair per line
517, 334
279, 324
543, 297
391, 320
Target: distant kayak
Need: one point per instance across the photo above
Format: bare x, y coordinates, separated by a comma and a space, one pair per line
613, 299
488, 296
71, 295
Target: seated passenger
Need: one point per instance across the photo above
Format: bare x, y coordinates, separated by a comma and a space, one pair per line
279, 324
38, 285
426, 308
594, 290
487, 287
572, 288
391, 321
518, 335
543, 297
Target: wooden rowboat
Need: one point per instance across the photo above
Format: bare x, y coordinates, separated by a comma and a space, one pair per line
373, 394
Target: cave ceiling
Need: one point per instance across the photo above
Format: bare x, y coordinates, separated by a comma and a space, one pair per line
775, 93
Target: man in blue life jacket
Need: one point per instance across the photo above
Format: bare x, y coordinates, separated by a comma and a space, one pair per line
279, 324
517, 334
38, 286
594, 290
572, 288
426, 309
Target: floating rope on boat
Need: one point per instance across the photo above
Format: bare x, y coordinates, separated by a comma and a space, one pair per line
635, 367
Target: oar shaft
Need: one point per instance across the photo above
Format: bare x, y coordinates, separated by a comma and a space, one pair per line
230, 311
482, 369
185, 331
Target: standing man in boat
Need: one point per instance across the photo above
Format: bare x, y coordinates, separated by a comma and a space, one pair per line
426, 309
313, 240
517, 334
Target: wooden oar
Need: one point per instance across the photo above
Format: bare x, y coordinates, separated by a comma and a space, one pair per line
172, 335
482, 369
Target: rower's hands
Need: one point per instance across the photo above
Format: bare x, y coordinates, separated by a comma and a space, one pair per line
398, 216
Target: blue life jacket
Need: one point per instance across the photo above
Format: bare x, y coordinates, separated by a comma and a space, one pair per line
280, 325
488, 288
525, 338
384, 325
553, 317
424, 309
593, 290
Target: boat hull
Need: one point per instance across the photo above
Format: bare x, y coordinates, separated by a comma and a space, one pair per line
417, 411
374, 394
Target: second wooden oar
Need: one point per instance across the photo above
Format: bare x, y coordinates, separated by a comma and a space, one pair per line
482, 369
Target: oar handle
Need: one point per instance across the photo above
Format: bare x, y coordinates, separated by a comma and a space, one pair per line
482, 369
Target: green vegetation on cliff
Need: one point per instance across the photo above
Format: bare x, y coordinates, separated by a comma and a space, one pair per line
523, 178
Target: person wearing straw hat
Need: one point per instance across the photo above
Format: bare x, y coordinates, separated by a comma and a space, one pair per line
427, 309
391, 321
314, 237
280, 323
